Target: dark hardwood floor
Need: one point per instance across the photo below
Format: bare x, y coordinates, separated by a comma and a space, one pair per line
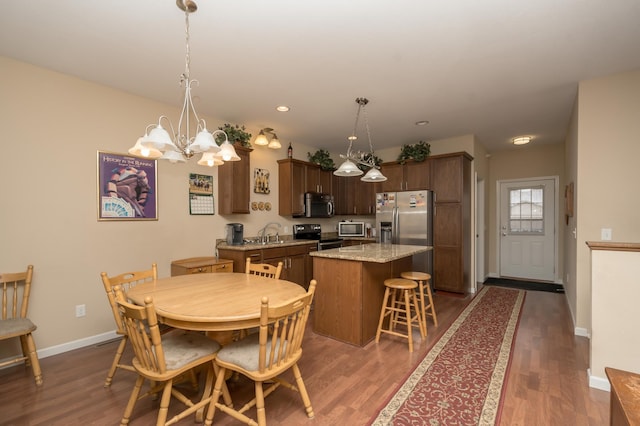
547, 381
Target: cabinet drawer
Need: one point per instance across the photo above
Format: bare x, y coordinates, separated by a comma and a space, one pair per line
272, 253
198, 270
294, 250
222, 267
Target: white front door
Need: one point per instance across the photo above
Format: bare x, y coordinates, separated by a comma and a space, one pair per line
528, 229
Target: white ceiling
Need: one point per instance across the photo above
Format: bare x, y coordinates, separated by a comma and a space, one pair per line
494, 68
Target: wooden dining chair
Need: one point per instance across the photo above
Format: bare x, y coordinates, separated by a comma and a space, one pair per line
264, 356
125, 281
16, 289
263, 269
162, 358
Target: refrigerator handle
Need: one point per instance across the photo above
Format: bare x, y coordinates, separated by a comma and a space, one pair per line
396, 227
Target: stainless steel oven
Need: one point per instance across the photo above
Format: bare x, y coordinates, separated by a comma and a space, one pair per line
313, 231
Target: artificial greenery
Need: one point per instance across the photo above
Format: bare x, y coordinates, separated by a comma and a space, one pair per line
376, 160
321, 157
236, 134
417, 152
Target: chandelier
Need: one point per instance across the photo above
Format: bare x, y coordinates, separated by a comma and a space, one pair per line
191, 136
354, 158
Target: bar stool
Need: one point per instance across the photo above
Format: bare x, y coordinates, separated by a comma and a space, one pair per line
424, 287
398, 289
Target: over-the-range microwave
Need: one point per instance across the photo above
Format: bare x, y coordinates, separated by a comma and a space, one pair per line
351, 229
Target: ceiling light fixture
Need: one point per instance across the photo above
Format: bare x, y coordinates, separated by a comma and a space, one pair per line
262, 139
354, 158
521, 140
191, 136
282, 108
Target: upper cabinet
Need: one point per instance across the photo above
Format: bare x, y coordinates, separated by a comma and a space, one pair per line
318, 180
234, 184
405, 177
355, 197
291, 187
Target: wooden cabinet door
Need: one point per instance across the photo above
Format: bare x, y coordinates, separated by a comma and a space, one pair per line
295, 270
291, 187
394, 172
417, 175
312, 178
448, 263
234, 183
346, 199
325, 182
446, 178
365, 197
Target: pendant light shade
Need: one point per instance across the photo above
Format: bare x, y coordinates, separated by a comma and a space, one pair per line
347, 169
141, 151
227, 152
373, 175
209, 159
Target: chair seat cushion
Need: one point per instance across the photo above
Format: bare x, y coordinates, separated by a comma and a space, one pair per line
182, 348
15, 327
244, 353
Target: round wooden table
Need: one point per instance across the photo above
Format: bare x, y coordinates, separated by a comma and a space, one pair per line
213, 302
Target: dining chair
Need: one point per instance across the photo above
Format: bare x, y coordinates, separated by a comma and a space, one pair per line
263, 269
162, 358
16, 289
125, 281
264, 356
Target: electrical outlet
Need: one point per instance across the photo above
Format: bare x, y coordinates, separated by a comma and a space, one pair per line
81, 310
605, 234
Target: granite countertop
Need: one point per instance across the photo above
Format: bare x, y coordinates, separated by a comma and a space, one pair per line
258, 246
378, 253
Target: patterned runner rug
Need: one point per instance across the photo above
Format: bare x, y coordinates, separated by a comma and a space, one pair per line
461, 379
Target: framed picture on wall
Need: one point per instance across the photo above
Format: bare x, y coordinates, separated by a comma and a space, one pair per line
127, 187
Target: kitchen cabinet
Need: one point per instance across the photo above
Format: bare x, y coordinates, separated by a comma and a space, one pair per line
405, 177
200, 265
355, 197
294, 260
234, 184
318, 180
295, 177
451, 183
291, 187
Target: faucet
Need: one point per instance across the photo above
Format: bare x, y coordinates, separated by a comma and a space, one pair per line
261, 233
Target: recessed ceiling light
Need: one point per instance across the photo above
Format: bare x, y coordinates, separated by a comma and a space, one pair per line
521, 140
282, 108
422, 123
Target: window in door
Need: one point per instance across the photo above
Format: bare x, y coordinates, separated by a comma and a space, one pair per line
526, 211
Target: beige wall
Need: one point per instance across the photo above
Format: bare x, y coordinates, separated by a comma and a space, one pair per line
526, 162
608, 149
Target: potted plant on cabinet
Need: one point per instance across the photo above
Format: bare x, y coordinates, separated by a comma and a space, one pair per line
236, 134
416, 152
321, 157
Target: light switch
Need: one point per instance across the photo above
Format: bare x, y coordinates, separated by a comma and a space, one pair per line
605, 234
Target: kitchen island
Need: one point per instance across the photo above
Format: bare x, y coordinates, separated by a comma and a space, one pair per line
350, 287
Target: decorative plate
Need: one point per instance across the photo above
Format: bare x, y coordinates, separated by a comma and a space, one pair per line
267, 206
254, 206
261, 205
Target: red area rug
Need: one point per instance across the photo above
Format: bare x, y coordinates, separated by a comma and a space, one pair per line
461, 379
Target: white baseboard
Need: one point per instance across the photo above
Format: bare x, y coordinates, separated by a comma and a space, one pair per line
598, 382
77, 344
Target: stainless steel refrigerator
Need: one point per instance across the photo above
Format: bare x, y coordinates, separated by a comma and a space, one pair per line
407, 218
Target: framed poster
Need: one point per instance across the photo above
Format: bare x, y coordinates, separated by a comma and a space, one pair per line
127, 187
200, 194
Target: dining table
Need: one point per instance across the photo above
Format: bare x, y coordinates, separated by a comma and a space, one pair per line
213, 302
